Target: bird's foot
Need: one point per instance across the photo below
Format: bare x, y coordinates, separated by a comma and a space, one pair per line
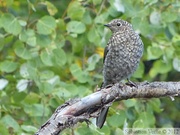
106, 86
145, 83
130, 83
109, 85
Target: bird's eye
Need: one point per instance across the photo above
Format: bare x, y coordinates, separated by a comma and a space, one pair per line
118, 24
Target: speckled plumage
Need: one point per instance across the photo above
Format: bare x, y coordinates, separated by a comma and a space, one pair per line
121, 57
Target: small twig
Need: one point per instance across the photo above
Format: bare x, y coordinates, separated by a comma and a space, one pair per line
101, 7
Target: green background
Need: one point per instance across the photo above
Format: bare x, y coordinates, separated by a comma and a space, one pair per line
52, 51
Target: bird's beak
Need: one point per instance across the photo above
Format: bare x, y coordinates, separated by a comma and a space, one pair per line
107, 25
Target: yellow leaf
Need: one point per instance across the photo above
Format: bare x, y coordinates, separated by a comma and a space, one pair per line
79, 63
100, 51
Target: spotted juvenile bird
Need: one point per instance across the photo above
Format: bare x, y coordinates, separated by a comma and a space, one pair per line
121, 57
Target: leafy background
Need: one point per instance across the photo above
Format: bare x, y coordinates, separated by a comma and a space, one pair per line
52, 51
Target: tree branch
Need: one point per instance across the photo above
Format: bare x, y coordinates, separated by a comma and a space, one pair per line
79, 110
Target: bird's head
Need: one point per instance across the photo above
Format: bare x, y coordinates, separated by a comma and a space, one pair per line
118, 25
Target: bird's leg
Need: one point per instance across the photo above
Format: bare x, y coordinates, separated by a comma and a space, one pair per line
131, 83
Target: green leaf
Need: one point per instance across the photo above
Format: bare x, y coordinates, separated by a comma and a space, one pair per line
168, 16
8, 66
140, 71
53, 102
117, 120
76, 27
21, 50
46, 74
70, 87
85, 131
92, 62
155, 104
176, 64
62, 93
116, 8
138, 124
51, 8
3, 129
155, 18
43, 40
154, 52
59, 57
61, 24
32, 71
84, 90
160, 67
172, 29
87, 18
3, 83
77, 45
31, 41
96, 2
46, 57
141, 24
18, 97
22, 22
32, 98
169, 53
150, 2
105, 130
37, 110
130, 102
10, 122
93, 36
78, 73
22, 85
101, 18
119, 131
130, 112
46, 88
9, 3
29, 128
176, 40
23, 36
145, 120
24, 70
53, 80
30, 32
11, 24
1, 43
32, 6
46, 25
28, 36
75, 11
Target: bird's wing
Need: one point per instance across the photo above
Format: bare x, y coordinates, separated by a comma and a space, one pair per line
106, 50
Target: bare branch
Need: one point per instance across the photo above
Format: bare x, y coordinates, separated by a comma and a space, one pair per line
79, 110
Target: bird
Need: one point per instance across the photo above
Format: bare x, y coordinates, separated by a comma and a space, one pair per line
122, 56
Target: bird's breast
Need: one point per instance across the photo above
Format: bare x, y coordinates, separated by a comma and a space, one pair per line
123, 57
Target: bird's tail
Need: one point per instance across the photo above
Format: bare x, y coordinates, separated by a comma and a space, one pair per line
102, 117
103, 113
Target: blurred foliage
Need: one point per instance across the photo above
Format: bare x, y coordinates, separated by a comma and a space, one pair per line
52, 51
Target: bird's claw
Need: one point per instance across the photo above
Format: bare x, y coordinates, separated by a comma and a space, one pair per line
132, 84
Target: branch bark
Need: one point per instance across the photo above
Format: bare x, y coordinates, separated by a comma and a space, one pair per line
79, 110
